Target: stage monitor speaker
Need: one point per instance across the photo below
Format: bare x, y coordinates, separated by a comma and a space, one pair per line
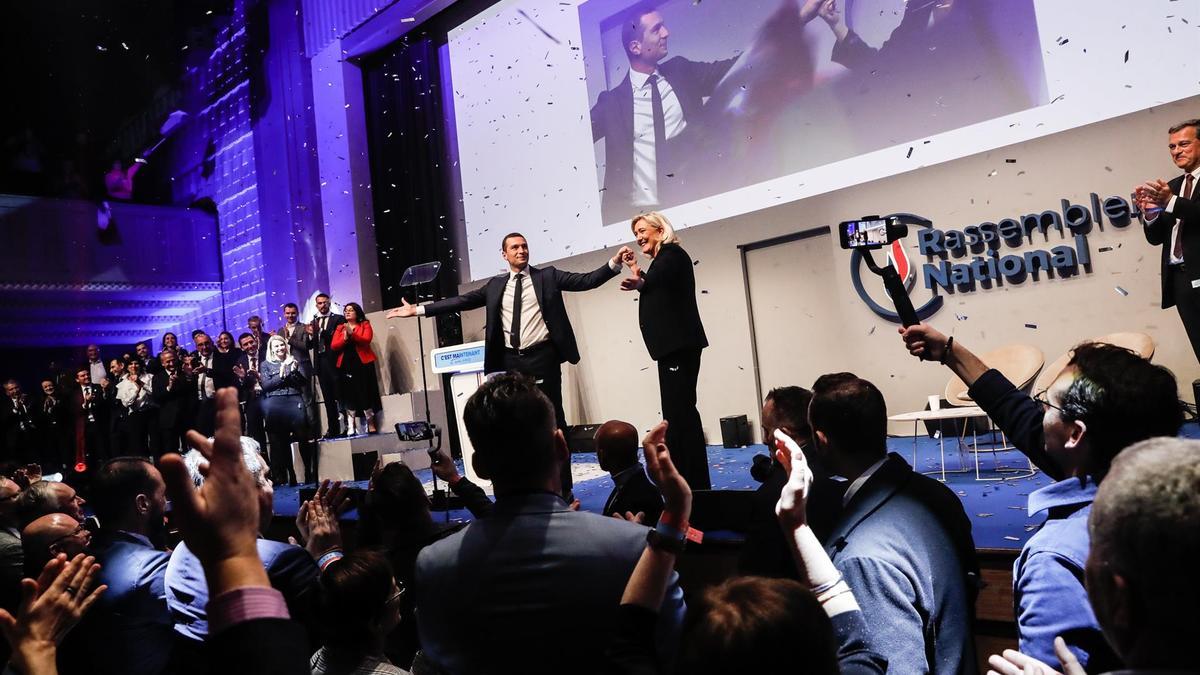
735, 431
582, 437
364, 463
355, 495
721, 509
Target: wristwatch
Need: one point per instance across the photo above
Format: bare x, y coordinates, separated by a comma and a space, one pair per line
661, 542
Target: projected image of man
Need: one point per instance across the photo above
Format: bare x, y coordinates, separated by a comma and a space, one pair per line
643, 119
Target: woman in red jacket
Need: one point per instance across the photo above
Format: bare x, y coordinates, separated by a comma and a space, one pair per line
358, 387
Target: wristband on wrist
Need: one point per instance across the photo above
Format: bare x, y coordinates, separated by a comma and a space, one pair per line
329, 558
825, 587
946, 351
669, 518
665, 543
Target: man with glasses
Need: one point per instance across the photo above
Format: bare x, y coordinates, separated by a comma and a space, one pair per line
1106, 399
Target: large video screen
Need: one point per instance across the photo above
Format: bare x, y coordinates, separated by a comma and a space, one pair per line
573, 116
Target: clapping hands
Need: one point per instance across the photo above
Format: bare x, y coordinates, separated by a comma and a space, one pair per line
317, 519
677, 495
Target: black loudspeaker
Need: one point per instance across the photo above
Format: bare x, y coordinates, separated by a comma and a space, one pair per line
364, 463
1196, 395
582, 437
735, 431
721, 509
355, 495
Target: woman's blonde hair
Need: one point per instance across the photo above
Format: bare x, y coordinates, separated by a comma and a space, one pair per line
271, 342
659, 222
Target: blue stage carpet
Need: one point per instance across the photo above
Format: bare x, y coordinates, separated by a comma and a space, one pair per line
996, 508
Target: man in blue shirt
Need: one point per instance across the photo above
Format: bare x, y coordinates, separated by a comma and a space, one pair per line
1106, 399
130, 624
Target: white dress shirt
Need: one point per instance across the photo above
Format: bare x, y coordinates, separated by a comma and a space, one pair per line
533, 327
1171, 209
98, 373
130, 395
205, 387
645, 168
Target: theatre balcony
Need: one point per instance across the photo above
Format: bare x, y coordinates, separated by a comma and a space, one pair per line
74, 272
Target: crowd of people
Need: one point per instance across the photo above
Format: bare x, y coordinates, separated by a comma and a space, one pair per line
854, 562
143, 402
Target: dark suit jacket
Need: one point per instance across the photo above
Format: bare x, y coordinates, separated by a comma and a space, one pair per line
299, 343
636, 494
1158, 233
904, 546
173, 404
667, 310
131, 631
260, 647
548, 285
323, 339
766, 551
530, 588
612, 120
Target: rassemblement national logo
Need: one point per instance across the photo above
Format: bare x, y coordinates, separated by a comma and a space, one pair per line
991, 263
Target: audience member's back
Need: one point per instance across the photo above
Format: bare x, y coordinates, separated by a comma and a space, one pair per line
534, 587
903, 542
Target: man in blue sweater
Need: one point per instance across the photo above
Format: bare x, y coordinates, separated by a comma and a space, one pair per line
1106, 399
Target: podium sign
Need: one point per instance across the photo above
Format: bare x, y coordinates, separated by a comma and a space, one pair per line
466, 358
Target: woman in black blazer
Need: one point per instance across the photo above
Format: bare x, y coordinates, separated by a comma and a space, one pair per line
284, 379
674, 337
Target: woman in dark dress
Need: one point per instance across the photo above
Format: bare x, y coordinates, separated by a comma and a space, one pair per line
674, 336
358, 387
284, 379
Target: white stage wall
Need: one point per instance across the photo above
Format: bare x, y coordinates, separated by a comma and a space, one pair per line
617, 380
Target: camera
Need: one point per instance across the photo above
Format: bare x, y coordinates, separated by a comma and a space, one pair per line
871, 232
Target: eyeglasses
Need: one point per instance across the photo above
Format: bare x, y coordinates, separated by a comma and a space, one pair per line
74, 533
1044, 398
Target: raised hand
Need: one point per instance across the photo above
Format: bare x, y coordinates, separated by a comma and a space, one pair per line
239, 371
633, 283
50, 607
924, 341
793, 499
324, 532
219, 521
677, 495
404, 311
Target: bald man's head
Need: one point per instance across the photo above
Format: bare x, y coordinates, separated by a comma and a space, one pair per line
50, 535
616, 446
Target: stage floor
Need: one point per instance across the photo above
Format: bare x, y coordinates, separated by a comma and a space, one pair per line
996, 507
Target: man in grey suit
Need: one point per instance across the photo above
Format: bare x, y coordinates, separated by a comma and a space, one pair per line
902, 542
295, 333
534, 586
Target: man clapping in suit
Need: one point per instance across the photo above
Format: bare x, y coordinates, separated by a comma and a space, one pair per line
1172, 215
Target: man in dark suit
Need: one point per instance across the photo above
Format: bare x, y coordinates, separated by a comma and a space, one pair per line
533, 567
250, 388
527, 332
212, 371
89, 418
766, 552
174, 394
644, 120
17, 425
295, 333
1172, 220
254, 326
321, 330
903, 542
130, 629
633, 493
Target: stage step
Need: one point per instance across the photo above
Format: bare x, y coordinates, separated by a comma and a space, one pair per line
337, 455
